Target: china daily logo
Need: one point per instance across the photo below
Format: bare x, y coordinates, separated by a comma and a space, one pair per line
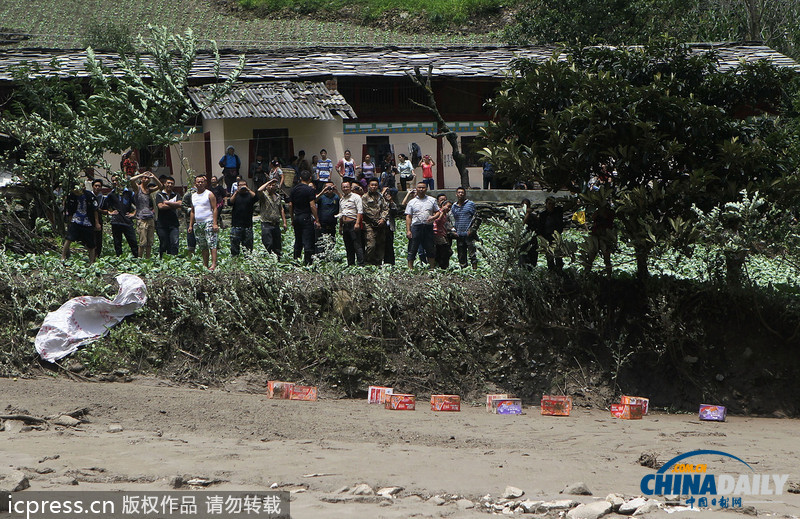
679, 478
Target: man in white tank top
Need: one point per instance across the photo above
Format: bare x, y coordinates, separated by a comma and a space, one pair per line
203, 221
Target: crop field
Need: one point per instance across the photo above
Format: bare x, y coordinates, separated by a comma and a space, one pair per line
64, 24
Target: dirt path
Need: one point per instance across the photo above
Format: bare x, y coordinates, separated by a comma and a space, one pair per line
249, 442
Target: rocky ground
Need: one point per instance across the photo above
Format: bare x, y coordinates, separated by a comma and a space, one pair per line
346, 458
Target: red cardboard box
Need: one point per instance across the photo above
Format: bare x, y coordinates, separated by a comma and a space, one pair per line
308, 393
507, 406
280, 390
627, 411
553, 405
495, 396
378, 394
445, 403
644, 402
713, 413
399, 402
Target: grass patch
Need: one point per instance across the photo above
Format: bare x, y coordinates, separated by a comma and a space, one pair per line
229, 28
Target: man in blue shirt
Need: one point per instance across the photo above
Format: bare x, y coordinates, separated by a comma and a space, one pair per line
463, 217
230, 164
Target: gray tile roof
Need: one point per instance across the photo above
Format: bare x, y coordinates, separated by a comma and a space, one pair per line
315, 63
276, 99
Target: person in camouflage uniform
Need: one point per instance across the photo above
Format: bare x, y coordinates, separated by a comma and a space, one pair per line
376, 212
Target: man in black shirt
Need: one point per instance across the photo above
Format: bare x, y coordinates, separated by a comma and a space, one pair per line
327, 209
242, 201
119, 205
167, 225
303, 210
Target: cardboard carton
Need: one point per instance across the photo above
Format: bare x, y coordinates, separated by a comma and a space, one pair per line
308, 393
627, 411
554, 405
507, 406
378, 394
279, 390
445, 403
400, 402
493, 396
644, 402
713, 413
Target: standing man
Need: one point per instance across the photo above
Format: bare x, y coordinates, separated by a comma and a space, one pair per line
230, 164
346, 167
257, 172
376, 212
421, 211
100, 199
272, 214
323, 169
145, 211
303, 210
464, 212
84, 220
167, 225
488, 175
203, 221
351, 214
119, 205
220, 194
327, 209
243, 201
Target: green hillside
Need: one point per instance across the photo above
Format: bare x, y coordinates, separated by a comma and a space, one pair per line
68, 23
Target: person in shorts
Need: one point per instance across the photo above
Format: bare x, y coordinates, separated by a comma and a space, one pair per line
203, 221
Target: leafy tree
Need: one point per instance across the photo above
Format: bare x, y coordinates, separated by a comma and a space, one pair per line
662, 118
146, 91
55, 141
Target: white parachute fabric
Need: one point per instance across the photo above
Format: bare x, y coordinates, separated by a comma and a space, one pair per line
84, 319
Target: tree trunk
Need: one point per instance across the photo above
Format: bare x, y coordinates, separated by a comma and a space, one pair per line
734, 268
642, 254
424, 81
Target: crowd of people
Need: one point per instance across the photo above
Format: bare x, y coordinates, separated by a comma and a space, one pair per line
363, 211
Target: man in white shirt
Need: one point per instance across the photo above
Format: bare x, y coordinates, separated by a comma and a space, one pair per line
421, 211
203, 221
351, 213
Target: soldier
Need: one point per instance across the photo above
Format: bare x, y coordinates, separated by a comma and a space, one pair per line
272, 214
376, 211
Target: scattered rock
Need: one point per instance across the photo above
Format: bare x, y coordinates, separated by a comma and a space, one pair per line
590, 510
115, 428
794, 487
465, 504
13, 481
66, 421
512, 492
389, 491
44, 470
362, 490
54, 457
616, 501
631, 506
746, 510
530, 507
275, 485
413, 499
339, 498
651, 505
437, 500
16, 426
560, 504
650, 460
577, 489
176, 482
64, 480
340, 490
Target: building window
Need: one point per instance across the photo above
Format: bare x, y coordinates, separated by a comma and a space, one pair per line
273, 143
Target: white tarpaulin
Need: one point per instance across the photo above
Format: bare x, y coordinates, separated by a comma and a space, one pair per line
84, 319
